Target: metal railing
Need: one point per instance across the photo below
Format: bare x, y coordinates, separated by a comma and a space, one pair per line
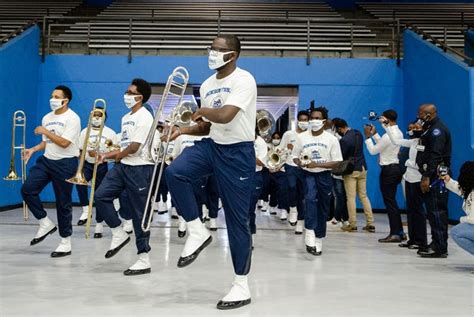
16, 32
442, 44
392, 28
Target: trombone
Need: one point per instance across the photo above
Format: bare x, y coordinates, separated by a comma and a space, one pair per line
181, 115
19, 121
79, 178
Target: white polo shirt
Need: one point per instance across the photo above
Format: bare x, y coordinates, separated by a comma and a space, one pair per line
107, 134
238, 89
66, 125
135, 128
323, 148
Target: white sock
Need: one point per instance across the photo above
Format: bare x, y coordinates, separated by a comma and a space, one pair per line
239, 291
118, 237
64, 245
116, 203
85, 211
319, 244
181, 224
197, 235
142, 263
310, 238
45, 226
99, 227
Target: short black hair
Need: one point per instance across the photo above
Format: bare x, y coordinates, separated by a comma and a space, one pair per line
323, 111
466, 178
232, 41
302, 113
275, 133
66, 91
339, 123
143, 87
390, 114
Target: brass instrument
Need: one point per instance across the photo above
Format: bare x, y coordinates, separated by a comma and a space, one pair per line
109, 144
265, 123
19, 121
305, 157
277, 158
169, 159
79, 178
181, 115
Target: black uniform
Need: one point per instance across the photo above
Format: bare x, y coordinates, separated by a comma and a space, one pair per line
434, 149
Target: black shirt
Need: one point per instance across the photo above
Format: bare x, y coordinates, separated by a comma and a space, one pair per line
434, 148
352, 146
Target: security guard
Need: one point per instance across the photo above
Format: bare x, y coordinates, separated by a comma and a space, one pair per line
434, 150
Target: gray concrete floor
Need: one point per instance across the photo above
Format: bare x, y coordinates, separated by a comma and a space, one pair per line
355, 276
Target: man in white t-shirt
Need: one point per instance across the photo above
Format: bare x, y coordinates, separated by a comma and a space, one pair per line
295, 174
132, 174
108, 135
60, 139
227, 114
325, 153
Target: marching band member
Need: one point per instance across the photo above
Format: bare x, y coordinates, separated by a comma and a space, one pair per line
278, 183
295, 174
212, 201
228, 112
325, 153
132, 174
161, 202
60, 131
82, 191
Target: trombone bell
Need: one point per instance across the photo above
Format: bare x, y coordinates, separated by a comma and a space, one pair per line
78, 179
12, 175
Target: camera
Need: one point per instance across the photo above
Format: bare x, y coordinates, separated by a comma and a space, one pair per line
373, 116
443, 170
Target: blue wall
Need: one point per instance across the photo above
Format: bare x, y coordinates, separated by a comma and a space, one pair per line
348, 87
431, 76
19, 65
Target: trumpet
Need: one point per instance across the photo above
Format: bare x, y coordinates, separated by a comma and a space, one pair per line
19, 121
277, 158
79, 178
305, 157
181, 115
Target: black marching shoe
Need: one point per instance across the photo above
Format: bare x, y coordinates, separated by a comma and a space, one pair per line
185, 261
431, 253
222, 305
181, 234
114, 251
313, 251
130, 272
81, 222
59, 254
414, 246
38, 240
97, 235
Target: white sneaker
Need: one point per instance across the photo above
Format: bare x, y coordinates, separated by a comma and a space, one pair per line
319, 245
63, 249
116, 203
238, 296
142, 266
293, 216
128, 226
162, 207
283, 214
198, 234
119, 239
83, 218
205, 213
213, 224
99, 230
299, 227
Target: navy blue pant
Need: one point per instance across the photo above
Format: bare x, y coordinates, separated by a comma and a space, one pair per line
436, 202
390, 177
254, 199
125, 210
233, 166
416, 214
296, 183
56, 172
83, 191
212, 196
135, 180
266, 184
318, 198
279, 190
340, 200
163, 189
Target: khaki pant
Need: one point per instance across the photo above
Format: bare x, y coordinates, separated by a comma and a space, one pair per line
357, 183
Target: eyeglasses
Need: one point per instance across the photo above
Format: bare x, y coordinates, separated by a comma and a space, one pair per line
210, 48
128, 92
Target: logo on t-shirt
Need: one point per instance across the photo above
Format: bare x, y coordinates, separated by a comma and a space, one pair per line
216, 102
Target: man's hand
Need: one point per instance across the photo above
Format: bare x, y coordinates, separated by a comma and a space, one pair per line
175, 132
196, 116
40, 130
383, 120
425, 185
446, 178
290, 146
26, 154
312, 165
369, 130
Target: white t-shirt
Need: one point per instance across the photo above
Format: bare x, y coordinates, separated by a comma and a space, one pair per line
261, 151
383, 146
181, 142
289, 137
135, 128
66, 125
238, 89
323, 148
107, 134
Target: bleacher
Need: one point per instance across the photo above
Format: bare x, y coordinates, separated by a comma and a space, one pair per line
16, 13
163, 27
444, 21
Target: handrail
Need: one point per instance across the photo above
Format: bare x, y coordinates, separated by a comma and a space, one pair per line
444, 46
14, 33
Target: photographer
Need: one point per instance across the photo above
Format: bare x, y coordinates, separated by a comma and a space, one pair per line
434, 149
463, 233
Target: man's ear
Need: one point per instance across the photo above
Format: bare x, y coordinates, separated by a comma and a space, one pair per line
65, 101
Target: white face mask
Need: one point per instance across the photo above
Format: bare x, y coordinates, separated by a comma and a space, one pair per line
96, 122
56, 104
303, 125
316, 124
276, 141
216, 59
129, 100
